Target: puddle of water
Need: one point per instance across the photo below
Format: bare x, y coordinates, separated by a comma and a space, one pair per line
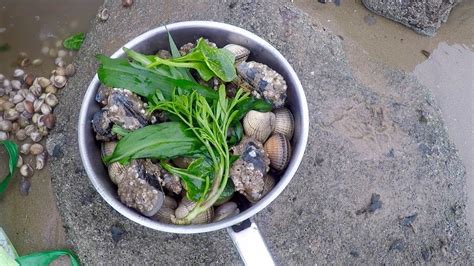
384, 40
27, 26
32, 222
449, 74
370, 40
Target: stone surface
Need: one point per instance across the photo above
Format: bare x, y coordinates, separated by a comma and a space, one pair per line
423, 16
362, 142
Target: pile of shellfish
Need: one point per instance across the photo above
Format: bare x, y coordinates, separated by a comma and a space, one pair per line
26, 115
264, 152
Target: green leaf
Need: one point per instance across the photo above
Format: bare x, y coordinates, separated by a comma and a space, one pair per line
226, 194
235, 133
45, 258
220, 61
196, 177
74, 42
252, 104
119, 73
119, 131
175, 53
12, 150
206, 60
161, 141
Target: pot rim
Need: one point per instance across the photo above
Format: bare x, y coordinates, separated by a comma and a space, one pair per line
298, 150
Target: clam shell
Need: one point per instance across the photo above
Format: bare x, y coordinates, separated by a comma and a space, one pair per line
36, 149
279, 151
25, 148
41, 160
164, 215
26, 170
269, 184
259, 125
227, 209
116, 172
170, 203
108, 148
204, 217
241, 53
185, 206
284, 122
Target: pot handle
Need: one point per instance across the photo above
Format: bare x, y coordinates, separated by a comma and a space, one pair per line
250, 244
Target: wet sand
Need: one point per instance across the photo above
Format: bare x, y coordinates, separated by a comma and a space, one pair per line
32, 222
371, 41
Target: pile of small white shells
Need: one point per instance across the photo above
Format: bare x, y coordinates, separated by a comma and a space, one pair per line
26, 113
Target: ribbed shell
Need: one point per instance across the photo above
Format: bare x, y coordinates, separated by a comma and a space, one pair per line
116, 172
108, 148
259, 125
164, 215
284, 122
279, 151
185, 206
241, 53
269, 184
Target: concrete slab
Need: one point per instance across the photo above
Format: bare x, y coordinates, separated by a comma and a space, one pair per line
389, 140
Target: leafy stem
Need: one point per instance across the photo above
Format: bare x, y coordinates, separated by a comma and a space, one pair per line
209, 122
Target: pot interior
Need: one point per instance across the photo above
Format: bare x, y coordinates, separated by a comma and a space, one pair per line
184, 32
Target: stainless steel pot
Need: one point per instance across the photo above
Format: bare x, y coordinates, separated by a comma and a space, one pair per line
261, 51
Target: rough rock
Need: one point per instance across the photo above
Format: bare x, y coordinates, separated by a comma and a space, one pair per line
423, 16
361, 142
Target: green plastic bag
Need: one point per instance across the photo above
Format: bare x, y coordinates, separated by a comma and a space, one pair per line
9, 257
12, 150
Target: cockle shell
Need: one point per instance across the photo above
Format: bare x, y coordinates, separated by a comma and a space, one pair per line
164, 215
116, 170
107, 148
279, 151
284, 122
269, 184
241, 53
185, 206
259, 125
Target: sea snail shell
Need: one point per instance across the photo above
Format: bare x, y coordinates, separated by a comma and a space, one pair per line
279, 151
259, 125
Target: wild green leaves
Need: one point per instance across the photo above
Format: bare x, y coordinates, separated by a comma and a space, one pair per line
160, 141
196, 178
206, 60
74, 42
12, 150
119, 73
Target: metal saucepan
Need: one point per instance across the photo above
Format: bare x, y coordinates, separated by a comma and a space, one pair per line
242, 230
